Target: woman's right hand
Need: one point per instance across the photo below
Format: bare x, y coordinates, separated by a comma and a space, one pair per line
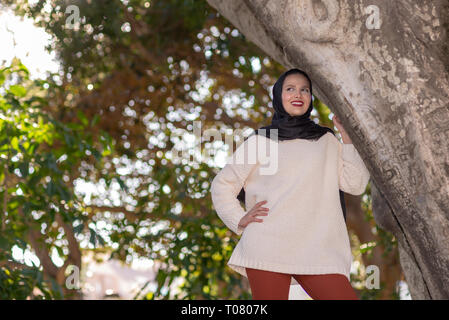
257, 210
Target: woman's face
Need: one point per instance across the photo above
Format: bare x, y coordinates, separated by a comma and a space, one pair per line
296, 94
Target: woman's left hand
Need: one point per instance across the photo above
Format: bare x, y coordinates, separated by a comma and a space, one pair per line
338, 124
340, 129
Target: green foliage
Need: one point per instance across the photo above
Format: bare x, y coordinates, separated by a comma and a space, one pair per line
37, 155
22, 284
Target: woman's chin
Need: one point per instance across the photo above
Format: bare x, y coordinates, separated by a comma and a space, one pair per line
295, 113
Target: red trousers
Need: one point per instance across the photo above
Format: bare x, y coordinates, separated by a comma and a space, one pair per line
268, 285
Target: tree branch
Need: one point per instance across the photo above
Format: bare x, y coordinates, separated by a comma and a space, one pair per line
41, 251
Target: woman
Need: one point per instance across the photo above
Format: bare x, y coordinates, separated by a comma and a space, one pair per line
303, 237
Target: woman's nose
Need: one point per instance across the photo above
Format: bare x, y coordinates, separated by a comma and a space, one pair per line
300, 94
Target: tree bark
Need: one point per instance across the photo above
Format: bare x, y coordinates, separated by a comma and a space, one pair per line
387, 80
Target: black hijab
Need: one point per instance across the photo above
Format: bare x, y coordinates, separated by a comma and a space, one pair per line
293, 127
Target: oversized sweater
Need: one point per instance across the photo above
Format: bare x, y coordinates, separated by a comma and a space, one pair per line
304, 231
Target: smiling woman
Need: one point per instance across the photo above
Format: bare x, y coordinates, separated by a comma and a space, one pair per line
303, 238
296, 96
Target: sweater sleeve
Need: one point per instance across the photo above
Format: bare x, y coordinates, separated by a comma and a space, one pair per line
229, 181
353, 176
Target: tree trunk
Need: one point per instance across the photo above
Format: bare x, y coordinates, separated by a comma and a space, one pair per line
383, 69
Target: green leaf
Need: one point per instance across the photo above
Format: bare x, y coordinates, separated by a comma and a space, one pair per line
34, 179
92, 238
79, 228
121, 183
50, 188
96, 154
83, 118
4, 244
100, 240
22, 67
2, 77
95, 120
15, 143
24, 169
63, 193
32, 148
17, 90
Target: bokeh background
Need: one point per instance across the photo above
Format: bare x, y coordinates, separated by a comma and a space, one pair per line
97, 98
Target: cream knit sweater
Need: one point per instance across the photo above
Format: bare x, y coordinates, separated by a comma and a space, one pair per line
304, 231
